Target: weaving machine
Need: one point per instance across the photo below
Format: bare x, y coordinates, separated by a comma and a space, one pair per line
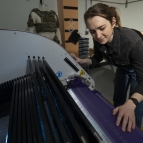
46, 97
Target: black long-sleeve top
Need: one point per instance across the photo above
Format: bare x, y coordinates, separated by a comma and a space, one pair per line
126, 50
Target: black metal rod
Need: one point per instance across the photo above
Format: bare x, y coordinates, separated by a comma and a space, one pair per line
80, 116
34, 113
34, 101
50, 100
28, 123
30, 67
14, 132
42, 111
10, 127
19, 133
75, 127
50, 118
24, 133
44, 119
61, 128
31, 112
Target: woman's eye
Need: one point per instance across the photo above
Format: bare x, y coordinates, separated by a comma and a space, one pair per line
92, 32
101, 29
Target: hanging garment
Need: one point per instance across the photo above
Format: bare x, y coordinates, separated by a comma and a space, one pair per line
49, 22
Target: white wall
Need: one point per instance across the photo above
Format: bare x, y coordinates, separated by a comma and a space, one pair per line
14, 13
132, 16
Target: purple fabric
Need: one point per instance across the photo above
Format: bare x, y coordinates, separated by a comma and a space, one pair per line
101, 111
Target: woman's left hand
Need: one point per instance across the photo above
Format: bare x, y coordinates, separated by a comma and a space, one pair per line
127, 115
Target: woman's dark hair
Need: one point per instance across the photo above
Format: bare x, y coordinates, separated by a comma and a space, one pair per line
104, 11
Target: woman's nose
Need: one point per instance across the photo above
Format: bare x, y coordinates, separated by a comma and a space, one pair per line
98, 34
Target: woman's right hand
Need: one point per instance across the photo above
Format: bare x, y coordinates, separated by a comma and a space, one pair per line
78, 60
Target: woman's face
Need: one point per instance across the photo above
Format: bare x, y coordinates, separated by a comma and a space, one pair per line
101, 29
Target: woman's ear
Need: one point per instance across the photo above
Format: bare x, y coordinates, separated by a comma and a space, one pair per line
113, 22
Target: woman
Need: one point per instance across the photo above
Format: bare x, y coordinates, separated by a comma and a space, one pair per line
122, 47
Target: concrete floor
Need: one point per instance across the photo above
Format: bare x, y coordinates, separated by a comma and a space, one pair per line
104, 80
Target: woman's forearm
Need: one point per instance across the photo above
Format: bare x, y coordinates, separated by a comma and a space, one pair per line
87, 61
138, 96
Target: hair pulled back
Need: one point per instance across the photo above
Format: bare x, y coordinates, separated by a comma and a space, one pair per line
104, 11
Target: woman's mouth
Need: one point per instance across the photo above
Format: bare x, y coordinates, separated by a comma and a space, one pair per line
101, 40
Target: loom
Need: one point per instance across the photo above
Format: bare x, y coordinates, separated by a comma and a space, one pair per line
46, 97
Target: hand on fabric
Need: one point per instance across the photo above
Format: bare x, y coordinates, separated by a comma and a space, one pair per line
127, 115
78, 60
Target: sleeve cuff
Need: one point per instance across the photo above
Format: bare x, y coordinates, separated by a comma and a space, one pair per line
94, 62
139, 89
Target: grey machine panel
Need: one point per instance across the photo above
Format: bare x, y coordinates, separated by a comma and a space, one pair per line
16, 46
